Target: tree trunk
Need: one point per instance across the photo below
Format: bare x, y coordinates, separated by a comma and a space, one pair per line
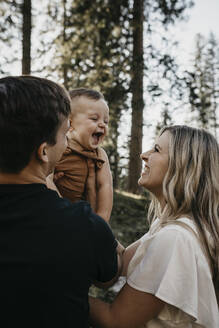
26, 42
135, 163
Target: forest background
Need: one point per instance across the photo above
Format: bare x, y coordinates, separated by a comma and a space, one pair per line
127, 50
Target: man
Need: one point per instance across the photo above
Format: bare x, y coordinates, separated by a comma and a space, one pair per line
51, 250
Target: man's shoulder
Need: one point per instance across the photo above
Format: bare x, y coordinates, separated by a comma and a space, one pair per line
63, 208
63, 205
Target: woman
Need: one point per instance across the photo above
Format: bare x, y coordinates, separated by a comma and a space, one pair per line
173, 277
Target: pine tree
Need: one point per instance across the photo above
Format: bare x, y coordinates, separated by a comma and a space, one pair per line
203, 83
15, 33
26, 37
10, 36
137, 97
212, 69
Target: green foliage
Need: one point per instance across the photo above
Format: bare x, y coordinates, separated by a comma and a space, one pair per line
172, 10
165, 119
203, 83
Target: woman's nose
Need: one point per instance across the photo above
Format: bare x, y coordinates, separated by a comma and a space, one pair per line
144, 156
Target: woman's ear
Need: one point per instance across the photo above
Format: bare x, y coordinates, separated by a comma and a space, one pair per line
42, 153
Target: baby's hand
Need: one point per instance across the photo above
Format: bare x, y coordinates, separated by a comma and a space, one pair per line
57, 176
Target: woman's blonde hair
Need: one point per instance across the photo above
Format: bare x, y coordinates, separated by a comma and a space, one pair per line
191, 186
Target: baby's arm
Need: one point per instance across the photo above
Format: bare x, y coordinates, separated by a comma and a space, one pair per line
91, 185
104, 188
128, 255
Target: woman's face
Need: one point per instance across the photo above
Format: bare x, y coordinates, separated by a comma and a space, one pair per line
156, 165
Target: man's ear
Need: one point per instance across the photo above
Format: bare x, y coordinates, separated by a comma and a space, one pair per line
42, 152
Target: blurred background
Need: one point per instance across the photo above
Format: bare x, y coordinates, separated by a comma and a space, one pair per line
155, 61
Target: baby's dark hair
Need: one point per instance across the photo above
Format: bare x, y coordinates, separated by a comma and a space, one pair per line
89, 93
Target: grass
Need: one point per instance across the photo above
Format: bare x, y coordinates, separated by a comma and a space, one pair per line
128, 219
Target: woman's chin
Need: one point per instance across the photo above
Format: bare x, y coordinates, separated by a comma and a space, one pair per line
140, 182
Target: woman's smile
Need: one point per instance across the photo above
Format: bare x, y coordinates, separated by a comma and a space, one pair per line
155, 166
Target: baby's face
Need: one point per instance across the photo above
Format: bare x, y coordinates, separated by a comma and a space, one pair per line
90, 121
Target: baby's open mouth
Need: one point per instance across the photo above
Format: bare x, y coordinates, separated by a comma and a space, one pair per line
97, 136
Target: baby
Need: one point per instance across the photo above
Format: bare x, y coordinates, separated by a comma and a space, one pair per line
84, 171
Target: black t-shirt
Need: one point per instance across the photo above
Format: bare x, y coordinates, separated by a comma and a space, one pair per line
50, 253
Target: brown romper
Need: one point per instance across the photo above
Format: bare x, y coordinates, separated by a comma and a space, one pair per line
79, 167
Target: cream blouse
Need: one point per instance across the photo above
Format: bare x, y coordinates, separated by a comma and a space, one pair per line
170, 264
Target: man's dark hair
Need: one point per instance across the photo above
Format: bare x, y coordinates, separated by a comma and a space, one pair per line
89, 93
31, 111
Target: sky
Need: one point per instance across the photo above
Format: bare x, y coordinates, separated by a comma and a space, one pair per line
203, 18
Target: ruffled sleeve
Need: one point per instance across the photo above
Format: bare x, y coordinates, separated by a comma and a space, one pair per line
171, 266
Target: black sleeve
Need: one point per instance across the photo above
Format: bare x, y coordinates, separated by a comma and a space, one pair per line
104, 246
